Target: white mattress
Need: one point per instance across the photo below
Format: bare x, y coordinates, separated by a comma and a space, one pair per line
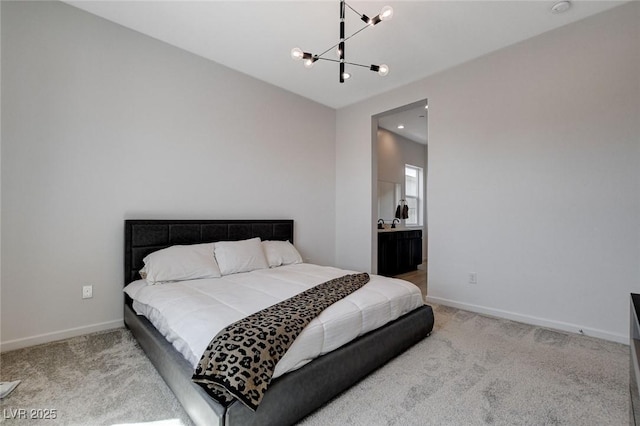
190, 313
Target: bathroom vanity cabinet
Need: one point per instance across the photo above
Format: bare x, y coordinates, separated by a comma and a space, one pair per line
399, 251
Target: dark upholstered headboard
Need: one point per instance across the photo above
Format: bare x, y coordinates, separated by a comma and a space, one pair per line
142, 237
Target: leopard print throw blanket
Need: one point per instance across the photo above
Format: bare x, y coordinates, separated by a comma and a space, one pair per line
240, 361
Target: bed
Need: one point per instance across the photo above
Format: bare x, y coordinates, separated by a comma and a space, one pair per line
291, 396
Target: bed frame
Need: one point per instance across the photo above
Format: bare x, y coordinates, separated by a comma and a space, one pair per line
289, 397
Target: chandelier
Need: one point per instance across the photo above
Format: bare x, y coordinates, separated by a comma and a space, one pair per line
309, 58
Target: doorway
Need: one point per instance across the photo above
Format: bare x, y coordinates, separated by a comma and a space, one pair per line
400, 169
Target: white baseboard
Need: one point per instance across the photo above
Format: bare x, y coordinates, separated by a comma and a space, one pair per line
24, 342
541, 322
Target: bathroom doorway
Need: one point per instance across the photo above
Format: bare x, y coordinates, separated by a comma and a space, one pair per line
400, 157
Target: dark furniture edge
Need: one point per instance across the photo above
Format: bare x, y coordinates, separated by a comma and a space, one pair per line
634, 360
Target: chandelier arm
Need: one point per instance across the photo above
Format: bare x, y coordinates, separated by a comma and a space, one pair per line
357, 65
347, 63
357, 32
337, 44
341, 47
331, 48
356, 12
327, 59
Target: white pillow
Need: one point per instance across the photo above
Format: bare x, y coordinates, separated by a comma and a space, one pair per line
280, 253
179, 263
133, 288
240, 256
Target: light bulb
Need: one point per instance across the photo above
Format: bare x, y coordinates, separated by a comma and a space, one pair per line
383, 70
346, 75
296, 53
400, 126
308, 63
386, 13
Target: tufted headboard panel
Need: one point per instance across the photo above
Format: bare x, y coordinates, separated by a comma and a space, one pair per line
142, 237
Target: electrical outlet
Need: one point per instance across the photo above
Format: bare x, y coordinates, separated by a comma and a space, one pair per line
473, 278
87, 292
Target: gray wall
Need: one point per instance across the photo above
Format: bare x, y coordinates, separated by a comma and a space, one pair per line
100, 124
394, 151
534, 177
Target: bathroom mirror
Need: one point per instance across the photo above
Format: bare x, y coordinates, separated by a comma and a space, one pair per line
389, 194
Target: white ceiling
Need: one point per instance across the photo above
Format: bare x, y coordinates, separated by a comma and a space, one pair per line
256, 37
414, 120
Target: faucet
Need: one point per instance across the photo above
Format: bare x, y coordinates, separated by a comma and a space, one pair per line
380, 223
393, 225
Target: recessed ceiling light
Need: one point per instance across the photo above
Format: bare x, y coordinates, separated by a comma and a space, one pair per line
561, 6
400, 126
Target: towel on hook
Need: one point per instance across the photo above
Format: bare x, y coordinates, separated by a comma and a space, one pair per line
398, 212
405, 211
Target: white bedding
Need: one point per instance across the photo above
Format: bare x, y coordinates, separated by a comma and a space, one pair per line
190, 313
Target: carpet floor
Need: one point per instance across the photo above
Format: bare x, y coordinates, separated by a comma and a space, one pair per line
472, 370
